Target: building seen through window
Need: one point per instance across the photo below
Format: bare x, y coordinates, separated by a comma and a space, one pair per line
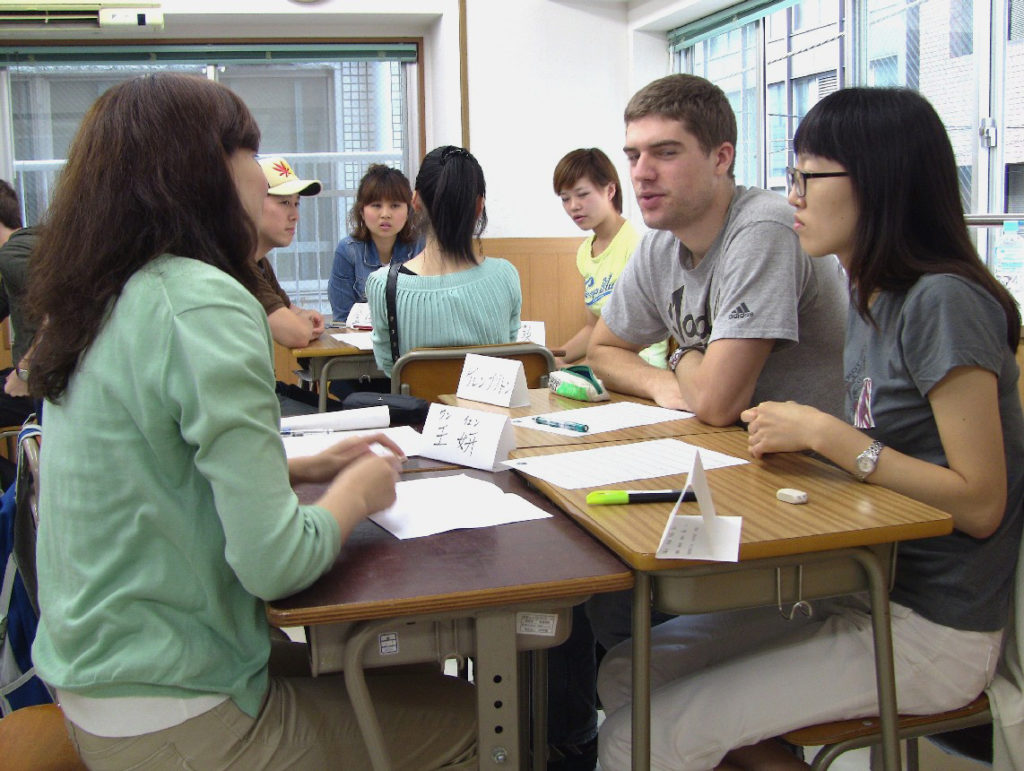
330, 117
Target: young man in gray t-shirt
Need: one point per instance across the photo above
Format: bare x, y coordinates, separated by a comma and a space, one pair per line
722, 272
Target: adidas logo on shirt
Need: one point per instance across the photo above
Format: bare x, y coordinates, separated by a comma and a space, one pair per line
741, 311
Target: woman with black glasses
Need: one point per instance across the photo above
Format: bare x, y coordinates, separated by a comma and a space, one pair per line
932, 411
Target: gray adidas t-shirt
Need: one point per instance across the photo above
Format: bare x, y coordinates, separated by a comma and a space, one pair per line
755, 283
941, 322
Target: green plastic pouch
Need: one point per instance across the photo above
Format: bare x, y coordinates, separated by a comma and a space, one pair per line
578, 382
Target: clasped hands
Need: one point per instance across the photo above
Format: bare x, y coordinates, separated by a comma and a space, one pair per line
780, 427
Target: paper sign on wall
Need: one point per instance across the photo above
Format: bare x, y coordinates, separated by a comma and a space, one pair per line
707, 537
468, 437
493, 380
531, 332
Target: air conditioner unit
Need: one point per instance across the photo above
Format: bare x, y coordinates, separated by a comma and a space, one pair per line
68, 14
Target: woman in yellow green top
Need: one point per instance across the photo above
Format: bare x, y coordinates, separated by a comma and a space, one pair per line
588, 185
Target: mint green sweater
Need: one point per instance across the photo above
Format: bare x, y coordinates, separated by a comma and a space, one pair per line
166, 514
478, 306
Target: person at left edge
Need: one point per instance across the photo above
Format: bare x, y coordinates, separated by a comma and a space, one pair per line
290, 325
16, 246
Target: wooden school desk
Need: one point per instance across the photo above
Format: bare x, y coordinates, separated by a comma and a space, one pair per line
387, 601
842, 541
331, 359
542, 400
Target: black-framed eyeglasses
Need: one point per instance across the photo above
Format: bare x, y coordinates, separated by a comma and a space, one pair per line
798, 179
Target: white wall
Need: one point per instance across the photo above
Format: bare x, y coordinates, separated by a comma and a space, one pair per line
545, 76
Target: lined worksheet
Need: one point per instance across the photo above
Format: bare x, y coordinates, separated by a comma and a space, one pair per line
601, 418
619, 463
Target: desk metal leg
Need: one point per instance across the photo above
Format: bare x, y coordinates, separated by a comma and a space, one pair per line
497, 692
878, 591
539, 711
641, 672
359, 694
321, 405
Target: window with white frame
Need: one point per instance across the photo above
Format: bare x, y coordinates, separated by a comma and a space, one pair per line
331, 111
800, 51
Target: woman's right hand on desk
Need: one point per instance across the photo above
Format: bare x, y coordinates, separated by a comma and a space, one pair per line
364, 486
325, 465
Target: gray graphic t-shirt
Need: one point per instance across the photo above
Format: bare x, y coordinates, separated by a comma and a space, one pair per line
754, 283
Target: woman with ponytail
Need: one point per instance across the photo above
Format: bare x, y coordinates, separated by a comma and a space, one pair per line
447, 295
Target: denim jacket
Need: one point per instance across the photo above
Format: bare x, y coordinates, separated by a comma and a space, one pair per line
354, 260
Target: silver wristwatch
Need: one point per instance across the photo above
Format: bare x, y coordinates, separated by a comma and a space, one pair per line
868, 459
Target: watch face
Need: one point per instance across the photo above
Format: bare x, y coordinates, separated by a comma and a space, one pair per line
865, 464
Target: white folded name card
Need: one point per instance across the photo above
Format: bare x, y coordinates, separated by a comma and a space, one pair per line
467, 437
707, 536
531, 332
493, 380
359, 316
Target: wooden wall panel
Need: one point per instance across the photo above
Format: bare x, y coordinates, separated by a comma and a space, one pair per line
552, 287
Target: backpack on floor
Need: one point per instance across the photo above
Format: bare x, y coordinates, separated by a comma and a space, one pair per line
19, 685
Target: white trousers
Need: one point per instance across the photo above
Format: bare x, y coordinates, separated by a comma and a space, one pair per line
725, 680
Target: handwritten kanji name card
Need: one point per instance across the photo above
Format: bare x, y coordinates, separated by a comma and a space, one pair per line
359, 317
468, 437
493, 380
531, 332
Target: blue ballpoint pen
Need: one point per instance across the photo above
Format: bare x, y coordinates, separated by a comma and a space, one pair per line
305, 431
562, 424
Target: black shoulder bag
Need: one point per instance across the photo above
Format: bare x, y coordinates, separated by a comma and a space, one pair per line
404, 409
390, 288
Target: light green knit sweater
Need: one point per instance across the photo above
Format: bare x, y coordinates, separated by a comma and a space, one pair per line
478, 306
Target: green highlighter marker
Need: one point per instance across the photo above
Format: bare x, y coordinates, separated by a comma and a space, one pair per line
617, 497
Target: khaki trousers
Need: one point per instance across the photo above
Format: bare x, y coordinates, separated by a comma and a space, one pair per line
428, 721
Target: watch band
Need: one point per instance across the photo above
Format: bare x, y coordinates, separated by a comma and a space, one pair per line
868, 460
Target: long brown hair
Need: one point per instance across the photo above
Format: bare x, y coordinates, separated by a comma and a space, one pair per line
146, 175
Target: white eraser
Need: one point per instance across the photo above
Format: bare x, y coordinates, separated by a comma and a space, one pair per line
789, 495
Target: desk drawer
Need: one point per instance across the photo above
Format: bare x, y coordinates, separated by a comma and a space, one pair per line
785, 580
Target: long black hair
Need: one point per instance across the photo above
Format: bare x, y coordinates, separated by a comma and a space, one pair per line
449, 184
904, 175
147, 174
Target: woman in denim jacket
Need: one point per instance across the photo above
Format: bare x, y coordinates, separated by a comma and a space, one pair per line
382, 231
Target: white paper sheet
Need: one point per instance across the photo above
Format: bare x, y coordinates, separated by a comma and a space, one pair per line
406, 437
439, 504
361, 340
619, 463
604, 417
343, 420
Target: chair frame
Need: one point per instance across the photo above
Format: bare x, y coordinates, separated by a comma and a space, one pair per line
537, 360
842, 736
